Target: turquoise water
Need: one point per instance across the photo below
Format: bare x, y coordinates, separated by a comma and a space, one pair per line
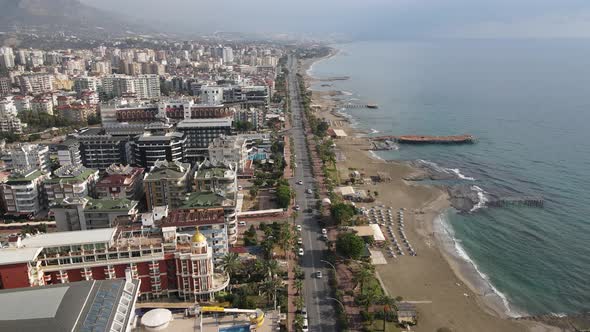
528, 102
241, 328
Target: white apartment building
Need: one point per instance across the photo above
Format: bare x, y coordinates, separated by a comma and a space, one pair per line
24, 157
228, 149
212, 95
144, 86
23, 194
36, 83
6, 58
42, 105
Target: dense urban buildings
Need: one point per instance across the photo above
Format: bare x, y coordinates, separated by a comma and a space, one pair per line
133, 153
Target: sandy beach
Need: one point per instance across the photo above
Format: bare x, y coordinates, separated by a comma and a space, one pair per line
434, 279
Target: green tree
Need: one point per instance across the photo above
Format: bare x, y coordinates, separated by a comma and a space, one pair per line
350, 245
342, 212
230, 263
298, 285
362, 276
283, 195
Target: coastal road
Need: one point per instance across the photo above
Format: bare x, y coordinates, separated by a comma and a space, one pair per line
320, 310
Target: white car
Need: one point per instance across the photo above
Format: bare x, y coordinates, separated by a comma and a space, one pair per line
240, 187
318, 275
298, 227
300, 241
300, 252
305, 326
304, 312
324, 231
242, 223
299, 182
309, 191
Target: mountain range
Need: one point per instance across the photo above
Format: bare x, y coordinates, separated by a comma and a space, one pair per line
65, 15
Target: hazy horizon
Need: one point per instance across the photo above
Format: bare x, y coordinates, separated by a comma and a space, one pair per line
369, 18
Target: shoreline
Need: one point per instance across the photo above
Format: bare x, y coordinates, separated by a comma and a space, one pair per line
429, 228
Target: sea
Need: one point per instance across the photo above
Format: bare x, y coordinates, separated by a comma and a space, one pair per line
528, 104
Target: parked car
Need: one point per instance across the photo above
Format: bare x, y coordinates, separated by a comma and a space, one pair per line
242, 223
318, 275
298, 227
299, 182
301, 252
324, 231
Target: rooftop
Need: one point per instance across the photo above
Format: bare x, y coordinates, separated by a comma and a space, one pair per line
18, 255
77, 306
69, 238
167, 170
71, 173
203, 199
20, 177
106, 205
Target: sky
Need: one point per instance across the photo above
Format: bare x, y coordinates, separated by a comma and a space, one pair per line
368, 19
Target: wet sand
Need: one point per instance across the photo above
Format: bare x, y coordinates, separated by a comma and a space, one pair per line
433, 278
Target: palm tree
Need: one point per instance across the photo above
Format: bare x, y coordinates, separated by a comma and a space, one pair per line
231, 264
299, 302
299, 285
362, 276
270, 288
270, 268
285, 238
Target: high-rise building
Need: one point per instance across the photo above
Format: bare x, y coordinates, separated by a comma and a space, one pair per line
84, 83
200, 133
73, 181
6, 58
68, 153
144, 86
228, 149
100, 150
25, 157
5, 86
167, 183
158, 142
121, 181
23, 193
42, 105
36, 83
228, 55
82, 213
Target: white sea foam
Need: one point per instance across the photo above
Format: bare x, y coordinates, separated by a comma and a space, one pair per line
482, 198
436, 167
375, 155
460, 175
347, 93
445, 229
374, 131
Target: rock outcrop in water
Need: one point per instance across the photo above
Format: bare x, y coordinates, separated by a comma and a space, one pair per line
463, 197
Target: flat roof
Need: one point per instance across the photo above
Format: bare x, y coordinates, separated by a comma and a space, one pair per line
192, 123
340, 133
69, 238
76, 306
18, 255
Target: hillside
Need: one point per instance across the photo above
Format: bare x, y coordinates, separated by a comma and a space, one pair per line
63, 15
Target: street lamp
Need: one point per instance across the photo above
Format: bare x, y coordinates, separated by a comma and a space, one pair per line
332, 265
342, 305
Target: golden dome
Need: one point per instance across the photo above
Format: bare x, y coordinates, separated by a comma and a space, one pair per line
198, 237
